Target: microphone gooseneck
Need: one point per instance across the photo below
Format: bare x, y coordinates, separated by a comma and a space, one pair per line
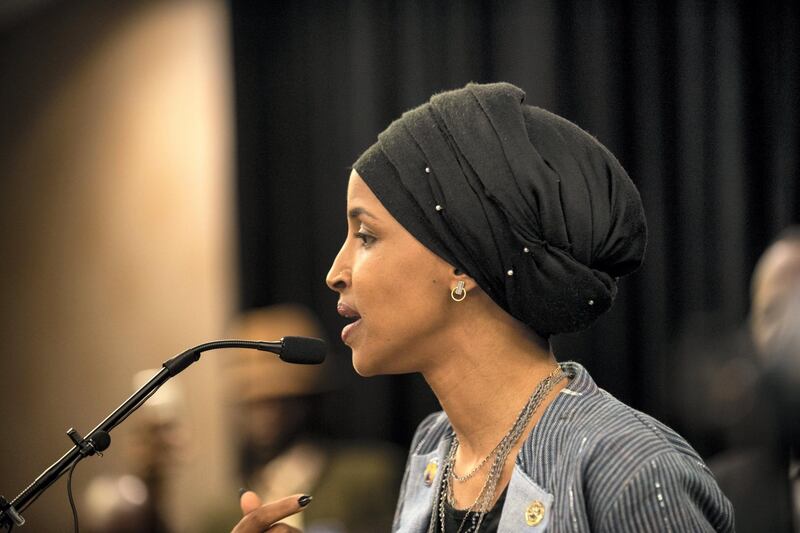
299, 350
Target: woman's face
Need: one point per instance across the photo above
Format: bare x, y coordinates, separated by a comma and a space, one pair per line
396, 291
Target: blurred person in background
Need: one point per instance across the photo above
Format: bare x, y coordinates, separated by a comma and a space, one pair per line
478, 227
274, 411
761, 471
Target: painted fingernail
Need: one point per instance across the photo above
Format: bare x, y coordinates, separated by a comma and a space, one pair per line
304, 500
242, 490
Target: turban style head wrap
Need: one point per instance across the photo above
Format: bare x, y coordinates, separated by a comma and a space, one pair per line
532, 207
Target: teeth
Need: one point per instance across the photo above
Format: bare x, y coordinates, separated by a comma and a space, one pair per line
346, 312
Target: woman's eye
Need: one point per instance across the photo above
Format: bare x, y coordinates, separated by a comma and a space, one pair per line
366, 238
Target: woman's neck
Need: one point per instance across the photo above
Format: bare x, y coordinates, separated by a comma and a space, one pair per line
484, 379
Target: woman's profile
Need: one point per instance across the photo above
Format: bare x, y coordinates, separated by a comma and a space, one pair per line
478, 227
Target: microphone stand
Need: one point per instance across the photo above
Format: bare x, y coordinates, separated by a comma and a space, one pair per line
99, 439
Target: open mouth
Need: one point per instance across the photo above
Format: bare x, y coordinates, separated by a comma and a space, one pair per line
350, 313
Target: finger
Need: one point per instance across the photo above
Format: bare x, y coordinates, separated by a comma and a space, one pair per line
268, 514
249, 502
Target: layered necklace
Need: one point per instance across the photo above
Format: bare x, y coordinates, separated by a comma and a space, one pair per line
482, 504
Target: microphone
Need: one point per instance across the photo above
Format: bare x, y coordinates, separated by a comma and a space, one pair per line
297, 350
303, 350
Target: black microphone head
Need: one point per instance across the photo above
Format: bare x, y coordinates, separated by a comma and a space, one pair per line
303, 350
101, 440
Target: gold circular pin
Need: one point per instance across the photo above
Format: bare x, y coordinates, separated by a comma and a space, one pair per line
534, 513
430, 473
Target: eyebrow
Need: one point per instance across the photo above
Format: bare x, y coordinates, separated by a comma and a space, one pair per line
357, 211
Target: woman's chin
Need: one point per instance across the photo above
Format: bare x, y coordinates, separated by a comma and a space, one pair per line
364, 374
363, 367
368, 365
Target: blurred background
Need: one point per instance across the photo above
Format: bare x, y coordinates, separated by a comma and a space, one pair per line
168, 164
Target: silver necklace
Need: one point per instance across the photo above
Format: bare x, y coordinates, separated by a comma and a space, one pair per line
482, 504
474, 470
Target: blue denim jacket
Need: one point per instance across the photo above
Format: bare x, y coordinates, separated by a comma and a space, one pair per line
591, 463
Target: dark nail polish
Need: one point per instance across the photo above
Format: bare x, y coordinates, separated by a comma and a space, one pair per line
304, 500
242, 490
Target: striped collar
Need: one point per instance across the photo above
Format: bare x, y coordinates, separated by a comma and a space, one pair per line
580, 381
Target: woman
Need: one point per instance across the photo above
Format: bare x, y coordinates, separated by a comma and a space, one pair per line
478, 227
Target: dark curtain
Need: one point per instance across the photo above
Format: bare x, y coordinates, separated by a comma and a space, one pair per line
698, 100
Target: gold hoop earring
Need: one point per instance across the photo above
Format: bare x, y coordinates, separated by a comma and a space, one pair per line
459, 292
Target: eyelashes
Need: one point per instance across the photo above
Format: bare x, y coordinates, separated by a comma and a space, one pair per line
366, 239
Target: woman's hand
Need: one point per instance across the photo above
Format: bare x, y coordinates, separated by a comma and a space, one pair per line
260, 517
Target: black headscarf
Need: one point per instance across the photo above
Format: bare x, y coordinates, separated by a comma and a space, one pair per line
532, 207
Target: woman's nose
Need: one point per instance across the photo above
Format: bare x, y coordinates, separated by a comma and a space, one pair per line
338, 277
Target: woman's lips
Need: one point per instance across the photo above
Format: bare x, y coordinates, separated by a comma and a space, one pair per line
348, 312
348, 329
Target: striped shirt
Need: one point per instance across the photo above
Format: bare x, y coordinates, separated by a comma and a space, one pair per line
591, 463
